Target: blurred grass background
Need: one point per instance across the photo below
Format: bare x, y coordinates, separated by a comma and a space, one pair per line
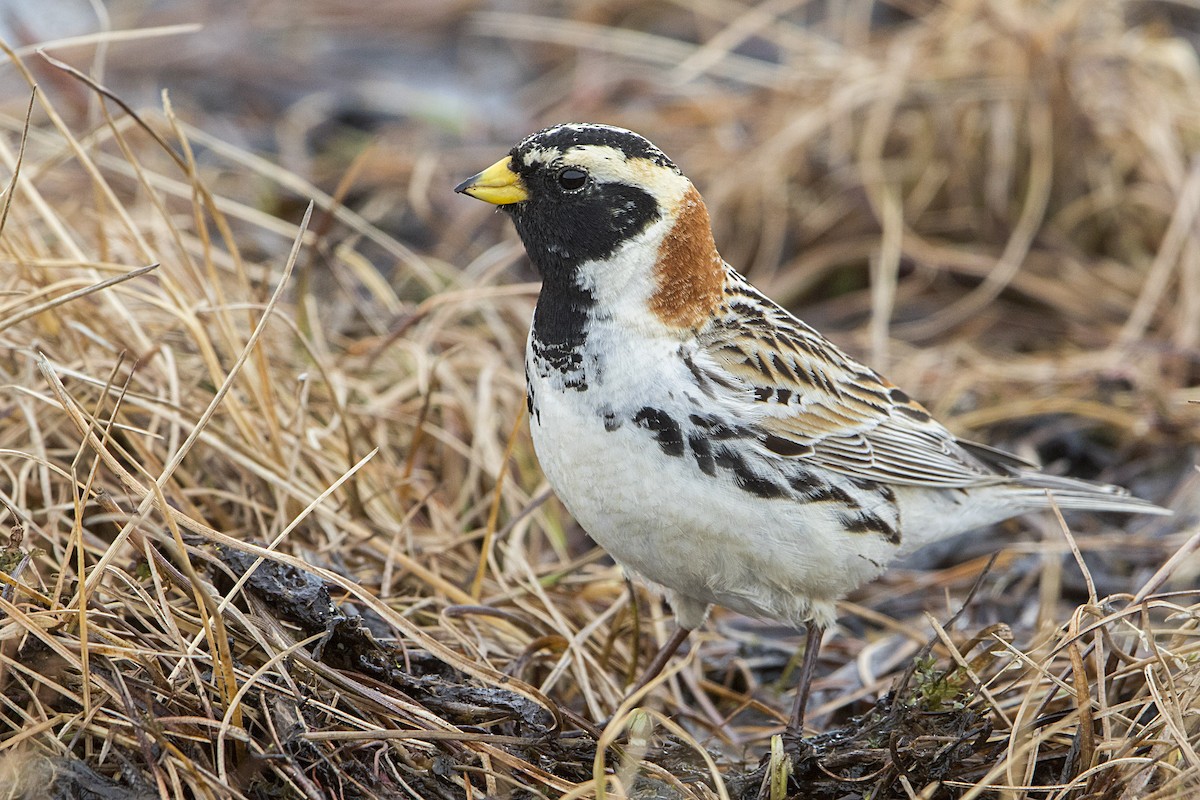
995, 203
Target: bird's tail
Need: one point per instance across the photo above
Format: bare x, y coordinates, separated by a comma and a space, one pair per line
1041, 491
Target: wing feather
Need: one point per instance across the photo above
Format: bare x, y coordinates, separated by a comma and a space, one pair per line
813, 400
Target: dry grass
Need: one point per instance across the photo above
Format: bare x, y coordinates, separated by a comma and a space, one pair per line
276, 529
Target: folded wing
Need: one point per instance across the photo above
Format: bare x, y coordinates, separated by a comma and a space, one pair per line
811, 400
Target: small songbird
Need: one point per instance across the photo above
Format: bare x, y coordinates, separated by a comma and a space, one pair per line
710, 441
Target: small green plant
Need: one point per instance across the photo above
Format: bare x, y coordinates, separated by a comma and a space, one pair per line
937, 690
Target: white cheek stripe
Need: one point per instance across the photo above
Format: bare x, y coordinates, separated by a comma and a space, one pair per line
610, 165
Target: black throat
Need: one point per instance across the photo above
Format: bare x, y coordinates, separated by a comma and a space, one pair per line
560, 319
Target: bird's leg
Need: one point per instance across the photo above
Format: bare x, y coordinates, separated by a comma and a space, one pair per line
661, 658
812, 646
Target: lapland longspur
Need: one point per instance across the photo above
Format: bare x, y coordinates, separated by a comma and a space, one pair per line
709, 440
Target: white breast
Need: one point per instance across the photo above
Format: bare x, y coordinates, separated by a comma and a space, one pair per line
701, 537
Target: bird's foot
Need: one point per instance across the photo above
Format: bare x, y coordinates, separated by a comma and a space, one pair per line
794, 743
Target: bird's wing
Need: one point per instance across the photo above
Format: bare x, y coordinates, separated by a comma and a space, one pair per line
813, 402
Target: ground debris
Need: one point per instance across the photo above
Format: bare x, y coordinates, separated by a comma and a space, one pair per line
74, 779
303, 599
868, 756
294, 594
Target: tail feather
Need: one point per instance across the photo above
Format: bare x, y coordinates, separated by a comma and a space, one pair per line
1042, 491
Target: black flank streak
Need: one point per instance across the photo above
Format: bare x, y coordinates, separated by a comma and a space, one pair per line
702, 452
785, 447
762, 394
714, 428
576, 381
611, 422
890, 496
728, 459
809, 486
842, 496
746, 479
760, 487
783, 396
666, 430
869, 523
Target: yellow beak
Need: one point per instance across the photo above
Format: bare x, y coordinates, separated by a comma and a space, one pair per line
497, 184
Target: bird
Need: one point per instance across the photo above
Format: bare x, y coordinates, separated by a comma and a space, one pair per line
711, 442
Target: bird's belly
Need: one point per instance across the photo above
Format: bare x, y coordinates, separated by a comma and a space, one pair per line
700, 536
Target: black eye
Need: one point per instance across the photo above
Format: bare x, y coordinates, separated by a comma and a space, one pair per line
572, 179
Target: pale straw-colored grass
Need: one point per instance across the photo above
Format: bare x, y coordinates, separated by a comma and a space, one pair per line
213, 412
